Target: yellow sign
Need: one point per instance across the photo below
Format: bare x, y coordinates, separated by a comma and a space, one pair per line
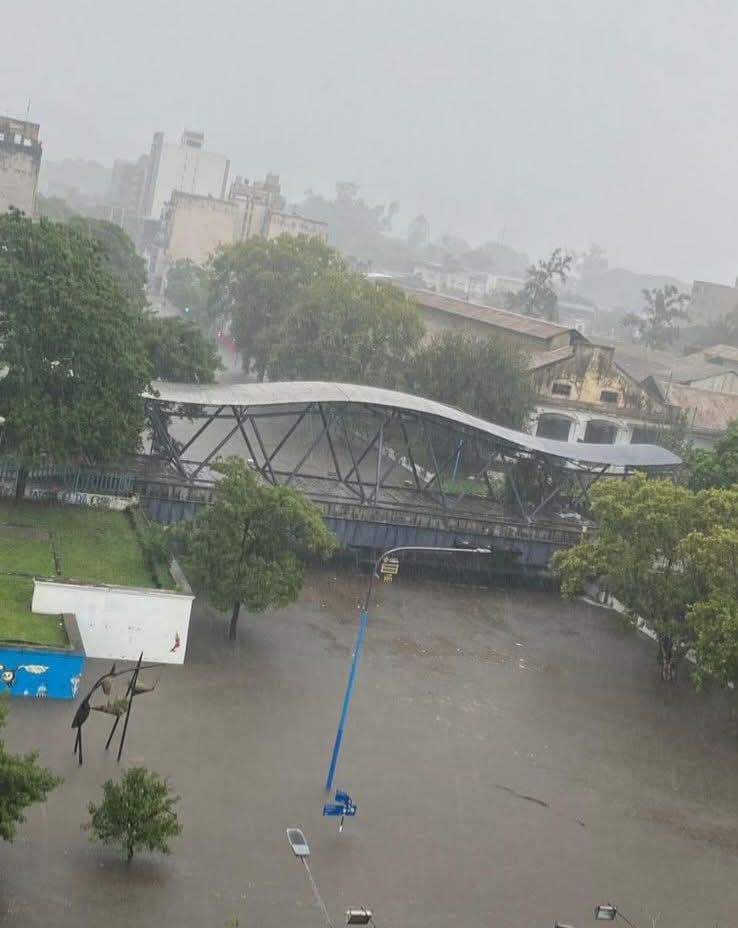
390, 567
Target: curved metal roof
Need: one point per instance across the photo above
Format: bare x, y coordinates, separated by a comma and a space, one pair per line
295, 392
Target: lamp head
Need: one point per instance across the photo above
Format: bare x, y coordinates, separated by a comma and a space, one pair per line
359, 916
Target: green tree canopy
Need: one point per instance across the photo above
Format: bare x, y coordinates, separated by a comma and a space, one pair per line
671, 557
22, 782
254, 283
72, 344
343, 327
188, 287
248, 547
716, 468
538, 295
119, 255
138, 813
483, 376
640, 524
657, 326
179, 351
355, 227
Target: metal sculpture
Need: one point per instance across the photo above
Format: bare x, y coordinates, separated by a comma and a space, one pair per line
116, 707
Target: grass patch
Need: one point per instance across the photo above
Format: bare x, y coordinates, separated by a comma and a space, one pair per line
18, 623
94, 546
26, 556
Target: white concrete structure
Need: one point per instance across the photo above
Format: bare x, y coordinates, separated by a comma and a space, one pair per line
20, 160
186, 167
119, 622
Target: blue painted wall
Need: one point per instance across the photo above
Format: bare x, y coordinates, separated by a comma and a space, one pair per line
39, 672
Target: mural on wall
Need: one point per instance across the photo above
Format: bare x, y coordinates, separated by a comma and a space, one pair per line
39, 673
8, 674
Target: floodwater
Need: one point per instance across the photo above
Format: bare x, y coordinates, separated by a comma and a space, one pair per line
514, 759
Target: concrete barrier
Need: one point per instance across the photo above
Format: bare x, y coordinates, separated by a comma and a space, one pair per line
43, 671
119, 622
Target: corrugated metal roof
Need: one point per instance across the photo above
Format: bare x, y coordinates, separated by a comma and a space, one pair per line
706, 410
491, 315
721, 351
544, 358
298, 392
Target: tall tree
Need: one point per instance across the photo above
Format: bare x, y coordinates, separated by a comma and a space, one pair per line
22, 782
179, 351
635, 554
119, 255
136, 814
72, 344
253, 283
716, 468
658, 324
671, 557
356, 228
346, 328
188, 289
483, 376
538, 295
248, 547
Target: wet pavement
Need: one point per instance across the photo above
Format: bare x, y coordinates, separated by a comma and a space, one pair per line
514, 759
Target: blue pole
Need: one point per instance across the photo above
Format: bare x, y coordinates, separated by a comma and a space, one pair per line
347, 698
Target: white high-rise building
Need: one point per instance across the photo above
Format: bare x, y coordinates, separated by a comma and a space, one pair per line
185, 167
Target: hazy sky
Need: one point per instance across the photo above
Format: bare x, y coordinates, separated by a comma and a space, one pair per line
553, 123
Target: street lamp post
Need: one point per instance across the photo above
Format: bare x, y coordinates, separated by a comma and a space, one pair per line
360, 641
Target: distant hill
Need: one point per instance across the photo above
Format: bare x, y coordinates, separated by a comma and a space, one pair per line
621, 289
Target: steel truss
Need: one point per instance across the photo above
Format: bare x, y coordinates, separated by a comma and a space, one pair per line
430, 489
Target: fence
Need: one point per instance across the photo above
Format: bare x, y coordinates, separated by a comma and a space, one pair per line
76, 479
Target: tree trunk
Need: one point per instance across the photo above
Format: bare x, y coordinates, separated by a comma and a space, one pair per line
667, 658
234, 620
20, 483
129, 856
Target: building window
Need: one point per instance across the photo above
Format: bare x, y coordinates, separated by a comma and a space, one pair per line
553, 426
561, 389
644, 435
600, 433
608, 396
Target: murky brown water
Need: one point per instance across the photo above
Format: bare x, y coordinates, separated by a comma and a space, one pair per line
515, 760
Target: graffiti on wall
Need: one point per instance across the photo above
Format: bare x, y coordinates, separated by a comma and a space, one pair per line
40, 673
73, 498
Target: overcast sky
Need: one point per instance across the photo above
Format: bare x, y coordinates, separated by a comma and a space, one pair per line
548, 123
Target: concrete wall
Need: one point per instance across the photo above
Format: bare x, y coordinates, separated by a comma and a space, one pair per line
291, 224
40, 671
191, 170
118, 623
578, 420
198, 225
590, 371
18, 178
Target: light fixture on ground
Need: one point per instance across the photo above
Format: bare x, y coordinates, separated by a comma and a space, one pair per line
298, 842
359, 916
299, 845
360, 639
609, 912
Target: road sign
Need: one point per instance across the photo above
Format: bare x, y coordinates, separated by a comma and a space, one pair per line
390, 567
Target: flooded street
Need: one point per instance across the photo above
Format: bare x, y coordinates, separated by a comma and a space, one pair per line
514, 760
